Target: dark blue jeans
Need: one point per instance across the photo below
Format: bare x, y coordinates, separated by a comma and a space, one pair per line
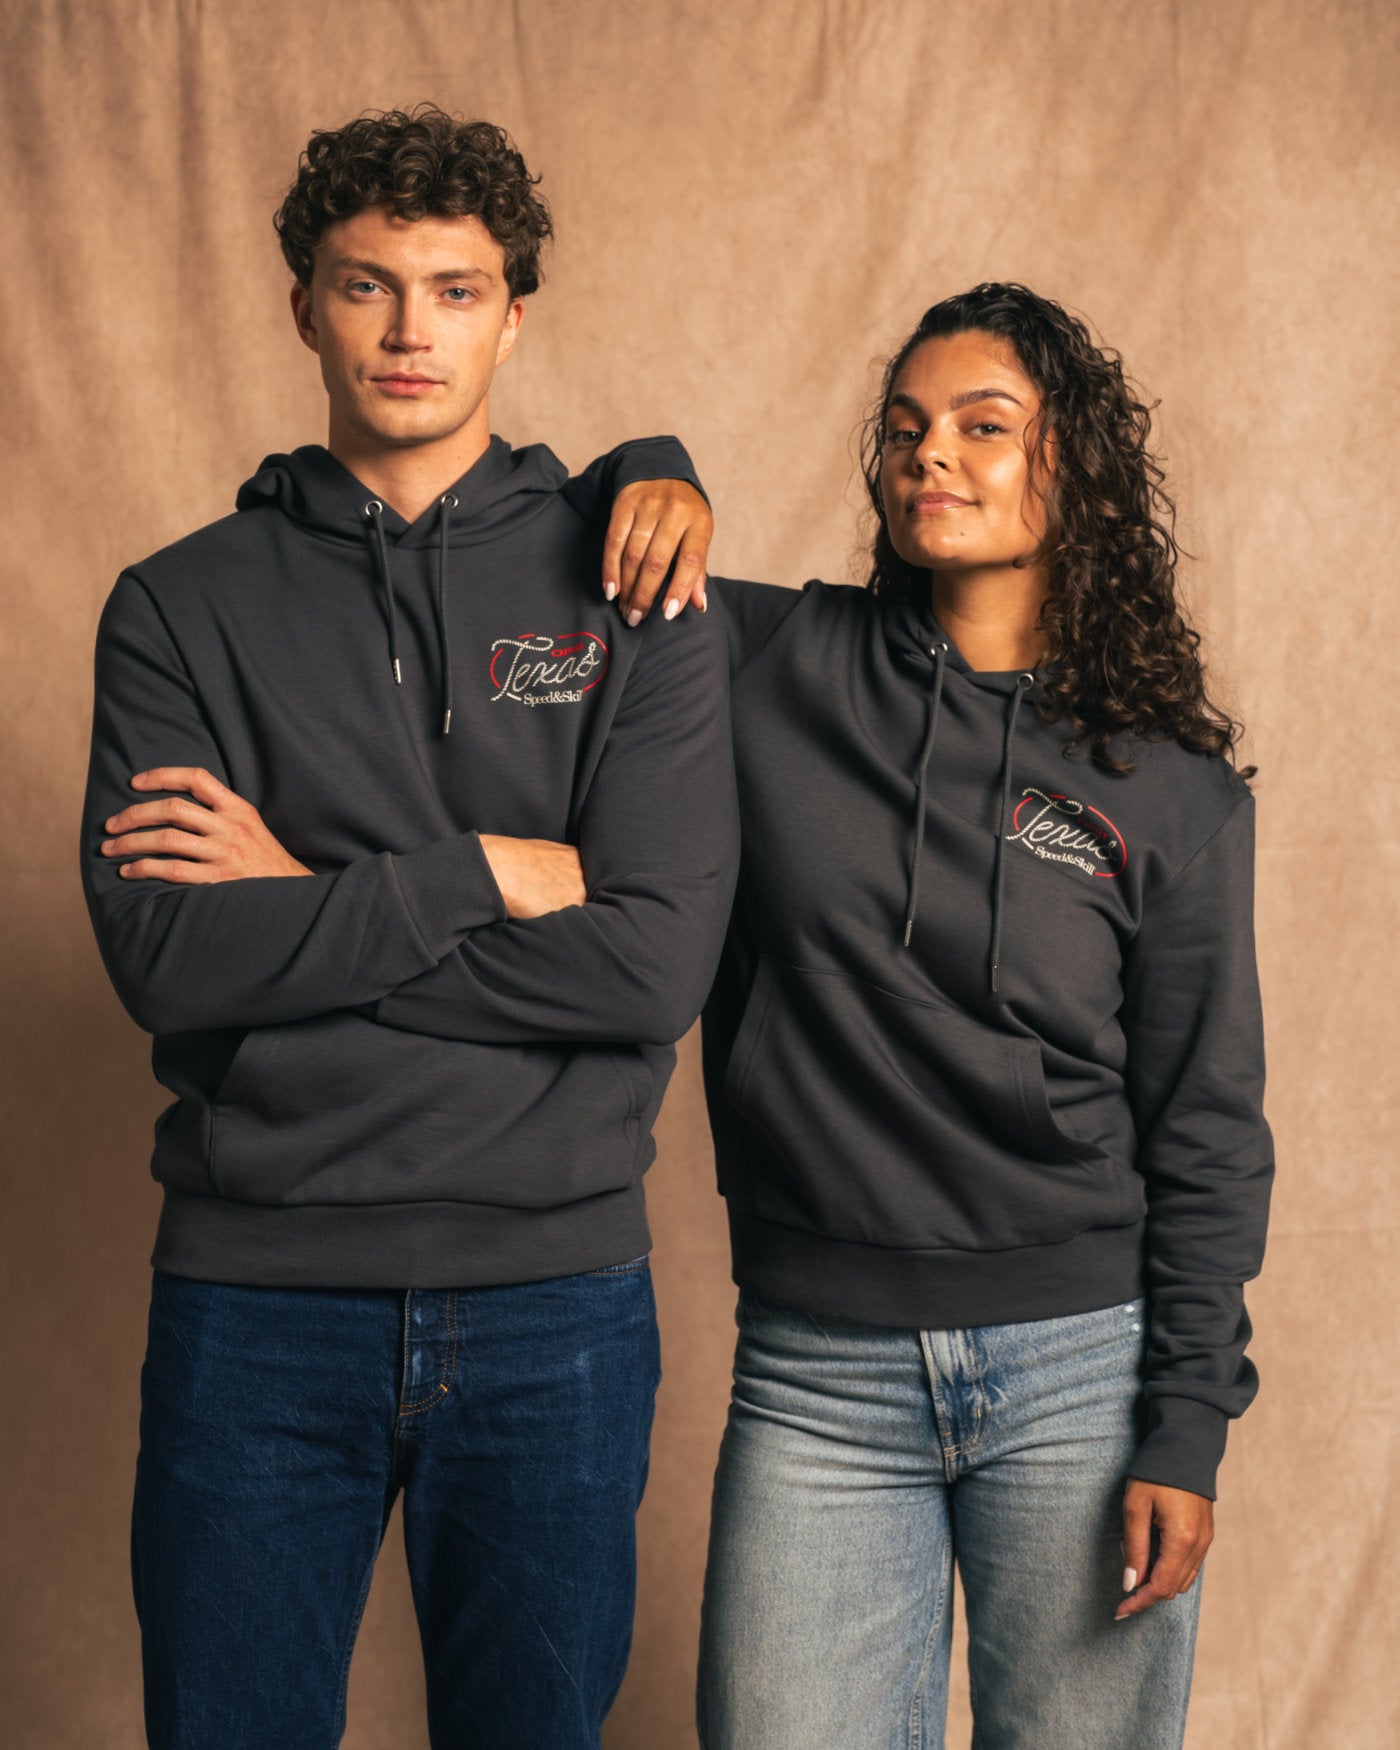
277, 1427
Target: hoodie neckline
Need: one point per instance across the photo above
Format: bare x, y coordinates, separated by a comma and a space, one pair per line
503, 488
914, 635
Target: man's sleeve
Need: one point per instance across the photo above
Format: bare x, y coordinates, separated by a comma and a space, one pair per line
658, 839
1196, 1080
253, 952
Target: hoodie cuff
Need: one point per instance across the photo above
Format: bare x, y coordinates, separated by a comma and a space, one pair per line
1184, 1446
659, 458
448, 889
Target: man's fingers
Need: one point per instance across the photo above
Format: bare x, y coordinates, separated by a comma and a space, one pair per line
168, 841
200, 784
168, 869
166, 811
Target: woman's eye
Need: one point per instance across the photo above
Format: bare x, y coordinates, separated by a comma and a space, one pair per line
988, 425
903, 435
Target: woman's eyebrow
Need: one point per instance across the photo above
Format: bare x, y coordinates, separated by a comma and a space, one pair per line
972, 395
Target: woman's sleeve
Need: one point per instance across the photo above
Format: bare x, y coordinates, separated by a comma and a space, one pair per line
750, 613
1196, 1081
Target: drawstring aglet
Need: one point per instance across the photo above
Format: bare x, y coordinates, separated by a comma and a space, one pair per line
447, 721
908, 930
995, 970
398, 673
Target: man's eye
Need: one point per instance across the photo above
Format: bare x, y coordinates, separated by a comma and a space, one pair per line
363, 286
459, 294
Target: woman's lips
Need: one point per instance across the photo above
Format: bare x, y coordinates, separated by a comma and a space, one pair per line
931, 501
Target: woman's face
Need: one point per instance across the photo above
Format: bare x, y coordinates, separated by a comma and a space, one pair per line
956, 473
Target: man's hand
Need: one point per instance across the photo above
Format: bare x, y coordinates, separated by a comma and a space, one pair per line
654, 522
1185, 1526
216, 837
535, 876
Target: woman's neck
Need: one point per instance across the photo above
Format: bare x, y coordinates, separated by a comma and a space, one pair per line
991, 616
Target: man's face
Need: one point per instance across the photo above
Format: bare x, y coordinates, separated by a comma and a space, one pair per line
409, 318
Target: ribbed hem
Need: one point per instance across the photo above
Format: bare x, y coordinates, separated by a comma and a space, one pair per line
941, 1289
1184, 1445
395, 1245
449, 889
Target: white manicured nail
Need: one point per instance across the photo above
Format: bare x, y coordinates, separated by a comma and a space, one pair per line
673, 607
1129, 1579
635, 617
609, 590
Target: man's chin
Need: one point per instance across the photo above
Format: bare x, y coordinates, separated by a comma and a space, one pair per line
408, 427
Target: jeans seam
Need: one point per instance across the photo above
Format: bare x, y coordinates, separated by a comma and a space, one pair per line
356, 1619
916, 1703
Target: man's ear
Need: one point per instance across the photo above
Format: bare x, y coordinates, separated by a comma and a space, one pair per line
511, 331
303, 317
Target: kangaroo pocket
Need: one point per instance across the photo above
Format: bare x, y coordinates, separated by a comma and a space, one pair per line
338, 1109
903, 1123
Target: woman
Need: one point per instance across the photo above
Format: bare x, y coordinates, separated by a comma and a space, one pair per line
984, 1066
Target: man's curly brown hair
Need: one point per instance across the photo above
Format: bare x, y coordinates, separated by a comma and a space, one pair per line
420, 163
1122, 660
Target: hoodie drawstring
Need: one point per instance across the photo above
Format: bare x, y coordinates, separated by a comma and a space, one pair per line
935, 699
1024, 683
374, 513
374, 510
446, 505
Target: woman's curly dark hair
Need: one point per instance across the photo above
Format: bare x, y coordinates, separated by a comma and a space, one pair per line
421, 163
1121, 657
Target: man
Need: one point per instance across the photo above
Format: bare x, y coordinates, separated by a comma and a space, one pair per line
381, 734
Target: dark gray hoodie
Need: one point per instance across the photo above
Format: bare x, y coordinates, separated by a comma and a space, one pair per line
378, 1079
986, 1044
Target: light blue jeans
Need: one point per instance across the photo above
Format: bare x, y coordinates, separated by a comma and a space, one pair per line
859, 1462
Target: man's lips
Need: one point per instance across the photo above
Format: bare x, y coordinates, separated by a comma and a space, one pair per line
406, 385
927, 501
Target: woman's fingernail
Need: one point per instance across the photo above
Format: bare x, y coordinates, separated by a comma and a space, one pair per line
609, 591
635, 617
673, 607
1129, 1579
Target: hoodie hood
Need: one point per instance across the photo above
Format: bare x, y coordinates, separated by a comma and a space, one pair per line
502, 491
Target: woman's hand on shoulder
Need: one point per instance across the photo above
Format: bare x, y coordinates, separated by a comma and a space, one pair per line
1185, 1526
653, 523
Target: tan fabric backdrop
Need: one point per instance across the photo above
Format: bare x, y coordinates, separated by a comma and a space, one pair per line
753, 203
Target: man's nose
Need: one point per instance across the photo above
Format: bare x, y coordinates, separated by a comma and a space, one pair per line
409, 330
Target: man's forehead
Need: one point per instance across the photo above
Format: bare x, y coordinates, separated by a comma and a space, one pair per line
434, 246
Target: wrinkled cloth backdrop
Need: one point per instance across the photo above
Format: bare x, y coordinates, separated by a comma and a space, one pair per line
753, 203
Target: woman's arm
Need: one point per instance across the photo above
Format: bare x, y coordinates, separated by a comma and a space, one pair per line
1196, 1080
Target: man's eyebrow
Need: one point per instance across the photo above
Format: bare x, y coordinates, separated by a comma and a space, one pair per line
357, 264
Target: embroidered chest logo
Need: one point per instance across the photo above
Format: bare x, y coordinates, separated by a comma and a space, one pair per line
535, 670
1065, 831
